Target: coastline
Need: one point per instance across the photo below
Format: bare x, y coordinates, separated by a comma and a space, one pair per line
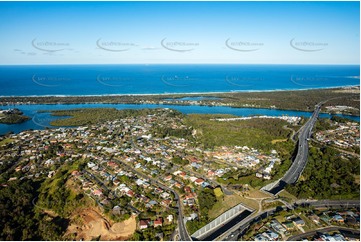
185, 93
288, 100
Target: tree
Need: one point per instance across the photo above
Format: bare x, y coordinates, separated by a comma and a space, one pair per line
327, 175
206, 200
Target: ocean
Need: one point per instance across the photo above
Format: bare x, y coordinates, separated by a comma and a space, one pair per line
42, 80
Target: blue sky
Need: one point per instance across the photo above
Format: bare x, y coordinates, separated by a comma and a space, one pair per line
179, 32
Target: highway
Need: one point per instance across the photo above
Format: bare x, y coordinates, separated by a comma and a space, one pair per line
329, 203
238, 230
291, 177
183, 233
300, 161
213, 235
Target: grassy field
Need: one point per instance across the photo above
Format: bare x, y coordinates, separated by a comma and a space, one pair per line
225, 204
249, 202
253, 193
271, 205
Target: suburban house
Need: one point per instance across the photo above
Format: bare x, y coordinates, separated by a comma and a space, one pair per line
158, 222
143, 224
199, 181
338, 218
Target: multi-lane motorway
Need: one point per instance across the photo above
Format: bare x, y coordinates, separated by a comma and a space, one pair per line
291, 176
300, 161
329, 203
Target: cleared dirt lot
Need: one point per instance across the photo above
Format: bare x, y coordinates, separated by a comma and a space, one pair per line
89, 223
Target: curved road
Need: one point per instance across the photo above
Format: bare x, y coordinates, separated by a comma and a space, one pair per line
300, 161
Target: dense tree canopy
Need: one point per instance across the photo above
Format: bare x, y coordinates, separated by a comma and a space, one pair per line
328, 175
19, 219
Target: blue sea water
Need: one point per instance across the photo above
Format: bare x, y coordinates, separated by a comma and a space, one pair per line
161, 79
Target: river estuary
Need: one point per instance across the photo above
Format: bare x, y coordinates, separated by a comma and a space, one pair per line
42, 120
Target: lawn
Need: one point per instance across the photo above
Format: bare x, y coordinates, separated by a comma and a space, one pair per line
253, 193
224, 204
